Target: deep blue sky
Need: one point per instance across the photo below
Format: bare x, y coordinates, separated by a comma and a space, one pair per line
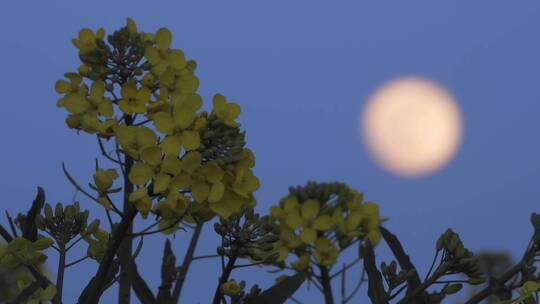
301, 71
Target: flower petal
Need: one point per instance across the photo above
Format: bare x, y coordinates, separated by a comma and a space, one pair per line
323, 223
140, 173
310, 209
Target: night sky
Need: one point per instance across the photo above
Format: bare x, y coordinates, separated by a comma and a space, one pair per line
301, 71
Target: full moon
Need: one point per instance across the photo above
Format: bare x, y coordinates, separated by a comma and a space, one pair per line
411, 126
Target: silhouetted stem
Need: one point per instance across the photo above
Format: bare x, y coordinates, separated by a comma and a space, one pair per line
126, 247
60, 274
326, 285
188, 258
224, 277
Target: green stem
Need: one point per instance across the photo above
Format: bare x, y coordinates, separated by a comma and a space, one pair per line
326, 285
224, 277
418, 290
188, 258
126, 247
60, 274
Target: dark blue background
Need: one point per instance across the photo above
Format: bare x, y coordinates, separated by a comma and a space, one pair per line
301, 71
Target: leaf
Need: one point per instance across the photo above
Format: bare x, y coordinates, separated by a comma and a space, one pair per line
376, 290
280, 292
142, 291
403, 259
30, 229
168, 274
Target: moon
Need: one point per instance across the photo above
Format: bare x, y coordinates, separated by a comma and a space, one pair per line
412, 126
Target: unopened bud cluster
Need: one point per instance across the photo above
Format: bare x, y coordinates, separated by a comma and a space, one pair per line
460, 258
64, 223
247, 235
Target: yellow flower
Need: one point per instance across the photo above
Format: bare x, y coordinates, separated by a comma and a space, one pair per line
86, 41
156, 168
103, 180
141, 200
98, 103
134, 100
173, 206
97, 243
231, 288
175, 123
229, 204
74, 100
161, 57
134, 139
207, 183
302, 264
228, 112
287, 242
325, 254
348, 225
308, 219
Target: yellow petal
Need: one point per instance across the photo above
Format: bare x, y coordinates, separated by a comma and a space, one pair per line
374, 237
294, 220
164, 123
228, 205
290, 204
310, 209
191, 161
140, 173
323, 223
213, 173
75, 103
161, 182
190, 140
308, 235
171, 145
163, 38
152, 54
145, 137
181, 181
171, 165
183, 117
200, 191
176, 59
137, 195
62, 86
129, 90
216, 192
151, 155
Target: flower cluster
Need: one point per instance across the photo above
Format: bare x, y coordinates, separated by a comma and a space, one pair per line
21, 251
186, 164
319, 221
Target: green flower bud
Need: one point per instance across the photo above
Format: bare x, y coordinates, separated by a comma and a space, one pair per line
47, 210
453, 288
58, 211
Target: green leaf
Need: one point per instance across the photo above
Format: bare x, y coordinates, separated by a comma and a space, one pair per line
376, 290
30, 229
168, 274
403, 260
280, 292
453, 288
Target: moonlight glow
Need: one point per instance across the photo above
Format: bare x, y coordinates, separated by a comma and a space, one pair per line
412, 126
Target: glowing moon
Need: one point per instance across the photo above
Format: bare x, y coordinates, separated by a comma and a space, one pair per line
412, 127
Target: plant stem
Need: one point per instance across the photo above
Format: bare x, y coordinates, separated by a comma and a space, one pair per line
438, 273
106, 263
126, 247
60, 274
326, 284
188, 258
224, 277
